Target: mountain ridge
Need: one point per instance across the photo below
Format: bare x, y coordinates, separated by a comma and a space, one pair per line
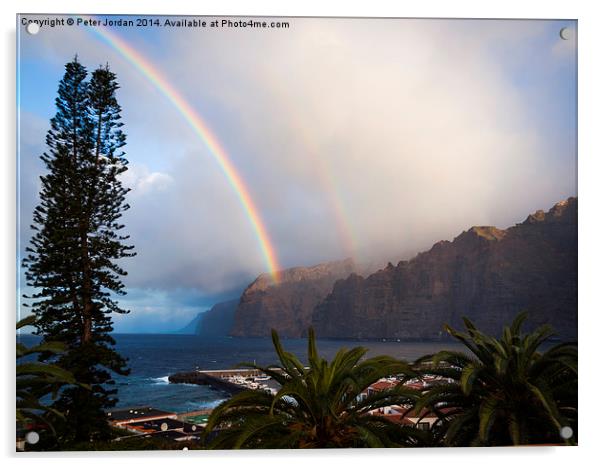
485, 273
288, 305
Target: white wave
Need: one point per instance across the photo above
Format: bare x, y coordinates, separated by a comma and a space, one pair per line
161, 380
195, 405
215, 403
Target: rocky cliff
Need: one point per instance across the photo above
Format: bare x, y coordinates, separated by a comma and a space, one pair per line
191, 327
217, 321
288, 305
485, 273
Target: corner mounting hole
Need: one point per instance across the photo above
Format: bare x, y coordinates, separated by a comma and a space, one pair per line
33, 28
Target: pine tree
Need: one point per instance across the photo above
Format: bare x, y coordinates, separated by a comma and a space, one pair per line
73, 259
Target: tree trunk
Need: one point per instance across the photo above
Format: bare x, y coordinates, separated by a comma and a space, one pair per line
98, 134
86, 285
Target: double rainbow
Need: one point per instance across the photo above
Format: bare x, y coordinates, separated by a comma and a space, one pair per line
202, 130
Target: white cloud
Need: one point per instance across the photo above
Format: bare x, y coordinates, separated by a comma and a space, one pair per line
142, 181
420, 124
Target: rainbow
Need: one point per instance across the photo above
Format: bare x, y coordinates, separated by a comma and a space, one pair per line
323, 172
202, 130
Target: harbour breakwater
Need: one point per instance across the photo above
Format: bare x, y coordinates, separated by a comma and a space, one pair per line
231, 381
202, 378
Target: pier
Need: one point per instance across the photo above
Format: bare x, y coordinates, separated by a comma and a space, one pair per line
229, 373
203, 378
231, 381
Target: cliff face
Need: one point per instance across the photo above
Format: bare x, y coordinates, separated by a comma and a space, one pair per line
191, 327
288, 305
217, 321
485, 273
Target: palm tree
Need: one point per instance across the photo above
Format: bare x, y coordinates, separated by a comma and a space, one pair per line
503, 391
318, 406
37, 381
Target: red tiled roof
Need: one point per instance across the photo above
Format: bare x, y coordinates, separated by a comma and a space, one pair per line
382, 385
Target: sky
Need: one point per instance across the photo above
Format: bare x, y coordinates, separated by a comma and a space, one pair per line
363, 138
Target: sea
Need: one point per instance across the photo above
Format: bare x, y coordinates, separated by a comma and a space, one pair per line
152, 358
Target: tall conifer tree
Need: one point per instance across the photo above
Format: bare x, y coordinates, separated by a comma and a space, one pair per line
75, 252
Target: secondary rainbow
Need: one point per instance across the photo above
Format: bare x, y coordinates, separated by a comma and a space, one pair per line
324, 173
198, 125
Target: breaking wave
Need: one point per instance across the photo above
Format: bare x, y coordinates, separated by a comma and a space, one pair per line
161, 380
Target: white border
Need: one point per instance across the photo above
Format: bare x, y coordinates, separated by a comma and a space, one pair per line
590, 210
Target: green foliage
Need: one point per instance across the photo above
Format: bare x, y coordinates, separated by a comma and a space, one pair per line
37, 381
503, 391
317, 406
74, 255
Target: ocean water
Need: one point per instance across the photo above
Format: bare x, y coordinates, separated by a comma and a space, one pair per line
152, 358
